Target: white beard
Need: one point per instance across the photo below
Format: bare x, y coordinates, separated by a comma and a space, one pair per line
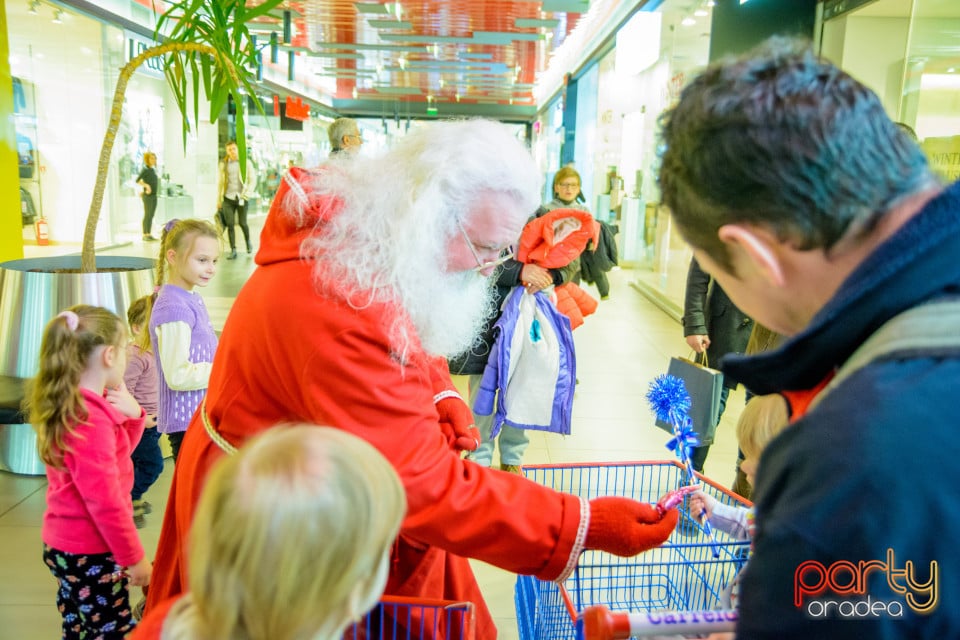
450, 311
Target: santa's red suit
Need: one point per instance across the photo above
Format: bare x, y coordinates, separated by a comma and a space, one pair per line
291, 353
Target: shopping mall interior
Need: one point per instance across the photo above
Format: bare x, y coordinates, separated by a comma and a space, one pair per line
581, 82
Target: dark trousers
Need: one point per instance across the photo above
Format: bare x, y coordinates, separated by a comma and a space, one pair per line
235, 213
147, 463
176, 439
92, 595
149, 208
699, 454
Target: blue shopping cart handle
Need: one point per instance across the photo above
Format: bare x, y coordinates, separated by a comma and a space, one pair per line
599, 623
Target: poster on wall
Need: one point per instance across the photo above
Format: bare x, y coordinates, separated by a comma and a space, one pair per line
944, 156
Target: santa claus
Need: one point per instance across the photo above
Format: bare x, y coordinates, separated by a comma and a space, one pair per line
371, 272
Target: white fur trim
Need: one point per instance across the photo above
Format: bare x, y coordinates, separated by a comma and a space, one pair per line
443, 395
578, 543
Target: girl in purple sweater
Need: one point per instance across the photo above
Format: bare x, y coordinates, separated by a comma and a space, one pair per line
87, 423
182, 337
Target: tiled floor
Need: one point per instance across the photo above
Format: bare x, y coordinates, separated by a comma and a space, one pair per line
619, 351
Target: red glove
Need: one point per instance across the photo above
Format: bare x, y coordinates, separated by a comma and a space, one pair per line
626, 527
456, 422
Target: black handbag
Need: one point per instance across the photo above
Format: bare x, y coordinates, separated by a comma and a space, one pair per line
704, 385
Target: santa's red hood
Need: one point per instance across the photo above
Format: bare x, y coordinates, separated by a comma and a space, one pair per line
284, 231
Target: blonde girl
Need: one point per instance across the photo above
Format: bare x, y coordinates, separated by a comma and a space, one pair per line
291, 539
142, 379
87, 424
181, 335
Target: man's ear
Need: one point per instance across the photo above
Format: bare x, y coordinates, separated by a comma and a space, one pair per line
759, 247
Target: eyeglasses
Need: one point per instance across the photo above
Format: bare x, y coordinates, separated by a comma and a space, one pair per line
357, 136
569, 185
481, 265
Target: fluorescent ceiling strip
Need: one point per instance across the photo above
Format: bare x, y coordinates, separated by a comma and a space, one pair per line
351, 46
371, 7
390, 24
536, 23
332, 54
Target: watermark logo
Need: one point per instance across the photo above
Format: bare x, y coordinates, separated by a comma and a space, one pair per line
816, 584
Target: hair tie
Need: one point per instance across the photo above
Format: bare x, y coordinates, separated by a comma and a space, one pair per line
72, 319
170, 224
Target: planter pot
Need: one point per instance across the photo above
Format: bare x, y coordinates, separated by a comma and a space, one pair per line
31, 292
35, 289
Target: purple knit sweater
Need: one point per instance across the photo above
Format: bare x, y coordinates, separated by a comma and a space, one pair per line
175, 304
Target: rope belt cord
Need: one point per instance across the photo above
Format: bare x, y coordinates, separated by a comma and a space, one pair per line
215, 436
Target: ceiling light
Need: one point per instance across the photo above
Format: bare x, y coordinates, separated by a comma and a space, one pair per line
688, 22
711, 3
701, 13
58, 16
952, 70
34, 4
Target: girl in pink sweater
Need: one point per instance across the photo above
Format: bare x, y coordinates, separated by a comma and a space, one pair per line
87, 423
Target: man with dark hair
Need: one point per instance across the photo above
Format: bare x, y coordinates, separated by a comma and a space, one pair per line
821, 220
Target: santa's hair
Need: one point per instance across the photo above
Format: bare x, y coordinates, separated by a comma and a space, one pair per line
388, 243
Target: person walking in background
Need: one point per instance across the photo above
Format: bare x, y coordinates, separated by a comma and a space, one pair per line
344, 135
87, 424
330, 505
713, 327
144, 385
181, 334
233, 193
150, 184
855, 262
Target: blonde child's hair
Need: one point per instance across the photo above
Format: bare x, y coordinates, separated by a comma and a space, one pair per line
139, 314
53, 401
291, 538
760, 421
180, 235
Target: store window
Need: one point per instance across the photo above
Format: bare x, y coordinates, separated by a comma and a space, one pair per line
656, 53
908, 53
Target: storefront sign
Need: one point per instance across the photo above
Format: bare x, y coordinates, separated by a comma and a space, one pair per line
297, 110
135, 46
944, 156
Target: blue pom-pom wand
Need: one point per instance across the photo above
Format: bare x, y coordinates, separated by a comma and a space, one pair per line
670, 402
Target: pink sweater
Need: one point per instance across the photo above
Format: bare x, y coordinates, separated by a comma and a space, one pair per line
88, 501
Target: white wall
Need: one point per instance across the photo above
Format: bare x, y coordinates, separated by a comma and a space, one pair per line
62, 62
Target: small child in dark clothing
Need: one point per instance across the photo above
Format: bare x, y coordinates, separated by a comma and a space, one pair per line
143, 383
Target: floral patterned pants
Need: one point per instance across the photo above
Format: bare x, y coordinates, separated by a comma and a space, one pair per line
92, 597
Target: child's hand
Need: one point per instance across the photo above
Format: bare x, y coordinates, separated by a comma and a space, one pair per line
671, 499
700, 504
123, 401
139, 574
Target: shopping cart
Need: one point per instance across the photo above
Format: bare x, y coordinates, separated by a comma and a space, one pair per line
680, 576
396, 618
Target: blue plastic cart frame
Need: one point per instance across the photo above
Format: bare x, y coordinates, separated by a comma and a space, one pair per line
681, 575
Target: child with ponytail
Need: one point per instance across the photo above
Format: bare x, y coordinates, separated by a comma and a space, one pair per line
181, 335
87, 424
143, 381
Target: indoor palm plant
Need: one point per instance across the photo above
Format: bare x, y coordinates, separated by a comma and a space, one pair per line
208, 46
209, 55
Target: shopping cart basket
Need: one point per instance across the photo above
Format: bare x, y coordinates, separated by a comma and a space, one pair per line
681, 575
396, 618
